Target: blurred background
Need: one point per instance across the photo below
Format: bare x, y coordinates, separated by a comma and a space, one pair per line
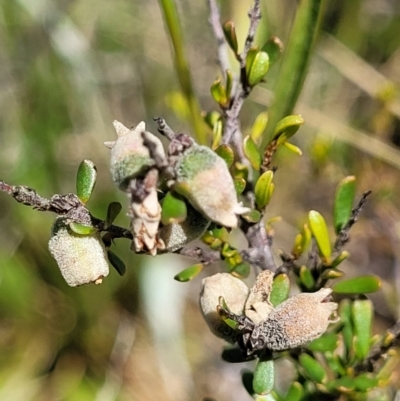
68, 68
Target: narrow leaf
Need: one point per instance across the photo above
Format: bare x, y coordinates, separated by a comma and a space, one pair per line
287, 127
82, 229
85, 180
295, 392
113, 210
116, 262
306, 277
264, 375
240, 184
252, 153
226, 153
254, 216
358, 285
362, 314
343, 204
261, 189
313, 368
230, 35
189, 273
274, 48
320, 232
174, 209
326, 343
259, 126
280, 289
258, 69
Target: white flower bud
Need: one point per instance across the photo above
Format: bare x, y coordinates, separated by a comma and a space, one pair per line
82, 259
129, 156
234, 292
203, 178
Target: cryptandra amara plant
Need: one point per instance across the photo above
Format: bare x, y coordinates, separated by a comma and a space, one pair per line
190, 191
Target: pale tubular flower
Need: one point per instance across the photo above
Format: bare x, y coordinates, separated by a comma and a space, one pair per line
145, 218
132, 171
204, 179
234, 292
82, 259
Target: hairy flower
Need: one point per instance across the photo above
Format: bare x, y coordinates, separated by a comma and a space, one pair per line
203, 178
234, 292
82, 259
291, 324
130, 157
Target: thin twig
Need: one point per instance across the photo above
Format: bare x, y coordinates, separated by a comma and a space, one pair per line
205, 256
67, 205
222, 48
259, 252
232, 134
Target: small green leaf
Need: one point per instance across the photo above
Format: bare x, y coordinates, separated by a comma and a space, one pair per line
218, 92
229, 84
113, 210
252, 153
362, 314
302, 241
211, 118
262, 189
240, 184
251, 55
85, 180
189, 273
320, 232
247, 381
280, 289
343, 204
340, 258
226, 153
221, 233
295, 392
344, 384
258, 69
230, 35
313, 369
346, 320
259, 126
230, 322
331, 274
82, 229
293, 148
254, 216
264, 375
366, 381
335, 363
217, 134
116, 262
240, 170
306, 277
274, 48
241, 270
328, 342
287, 127
358, 285
174, 209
